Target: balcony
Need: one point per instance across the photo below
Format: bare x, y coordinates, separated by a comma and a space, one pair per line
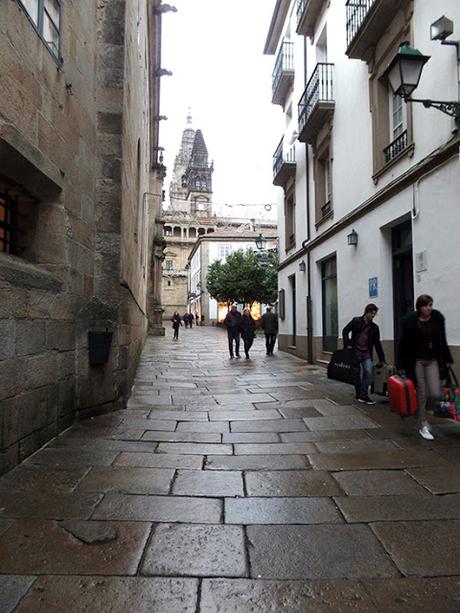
308, 12
283, 165
283, 74
317, 103
396, 147
367, 20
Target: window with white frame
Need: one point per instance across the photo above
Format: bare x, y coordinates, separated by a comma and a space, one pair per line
45, 15
397, 115
223, 251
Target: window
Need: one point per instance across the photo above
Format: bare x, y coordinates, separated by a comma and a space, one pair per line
17, 220
168, 231
46, 18
169, 264
289, 217
223, 251
398, 132
323, 181
329, 303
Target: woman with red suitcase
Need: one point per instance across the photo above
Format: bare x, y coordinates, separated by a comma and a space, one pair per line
423, 352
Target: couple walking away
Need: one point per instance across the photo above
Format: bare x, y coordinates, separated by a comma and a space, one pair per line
423, 354
243, 325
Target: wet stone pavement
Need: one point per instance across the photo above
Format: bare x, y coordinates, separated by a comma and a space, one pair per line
234, 485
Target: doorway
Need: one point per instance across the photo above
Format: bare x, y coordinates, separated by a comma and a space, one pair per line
403, 275
293, 312
329, 304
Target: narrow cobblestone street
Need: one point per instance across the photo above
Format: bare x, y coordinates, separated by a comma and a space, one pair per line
242, 485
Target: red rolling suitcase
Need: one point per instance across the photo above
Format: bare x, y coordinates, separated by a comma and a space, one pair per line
401, 392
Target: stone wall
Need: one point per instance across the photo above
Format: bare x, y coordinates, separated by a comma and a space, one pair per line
69, 138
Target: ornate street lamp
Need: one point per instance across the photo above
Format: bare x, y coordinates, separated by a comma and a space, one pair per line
261, 242
404, 74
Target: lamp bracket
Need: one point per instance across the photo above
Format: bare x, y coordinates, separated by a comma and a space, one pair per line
449, 108
453, 43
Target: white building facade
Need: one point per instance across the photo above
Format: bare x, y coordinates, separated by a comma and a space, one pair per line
218, 246
358, 164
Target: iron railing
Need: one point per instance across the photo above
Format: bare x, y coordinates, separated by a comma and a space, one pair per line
280, 157
319, 89
284, 62
356, 14
9, 223
395, 148
301, 4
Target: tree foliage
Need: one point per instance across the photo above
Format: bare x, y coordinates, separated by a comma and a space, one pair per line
244, 277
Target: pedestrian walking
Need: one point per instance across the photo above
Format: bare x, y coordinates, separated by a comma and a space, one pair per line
365, 335
176, 324
248, 326
269, 323
190, 320
232, 322
424, 356
185, 318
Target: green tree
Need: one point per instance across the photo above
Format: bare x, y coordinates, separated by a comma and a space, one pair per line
244, 278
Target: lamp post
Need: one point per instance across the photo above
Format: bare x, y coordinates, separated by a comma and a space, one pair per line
404, 73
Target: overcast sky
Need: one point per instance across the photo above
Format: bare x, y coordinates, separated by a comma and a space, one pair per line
215, 50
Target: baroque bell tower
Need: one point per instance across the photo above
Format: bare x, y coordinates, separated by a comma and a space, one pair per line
197, 180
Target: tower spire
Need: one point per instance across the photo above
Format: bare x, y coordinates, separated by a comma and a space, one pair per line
189, 117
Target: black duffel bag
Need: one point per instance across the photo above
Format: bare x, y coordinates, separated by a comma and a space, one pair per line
341, 367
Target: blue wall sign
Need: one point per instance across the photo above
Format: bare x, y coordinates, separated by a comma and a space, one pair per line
373, 287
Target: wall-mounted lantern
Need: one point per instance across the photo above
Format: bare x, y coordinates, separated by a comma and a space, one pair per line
261, 242
302, 266
352, 238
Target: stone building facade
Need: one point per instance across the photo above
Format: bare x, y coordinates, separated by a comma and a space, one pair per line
80, 189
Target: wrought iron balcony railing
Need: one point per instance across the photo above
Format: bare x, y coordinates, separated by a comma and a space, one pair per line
308, 12
395, 147
356, 13
283, 164
320, 89
283, 72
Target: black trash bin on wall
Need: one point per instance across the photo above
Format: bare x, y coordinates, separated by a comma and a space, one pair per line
99, 346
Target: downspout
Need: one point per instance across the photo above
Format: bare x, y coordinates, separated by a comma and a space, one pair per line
307, 190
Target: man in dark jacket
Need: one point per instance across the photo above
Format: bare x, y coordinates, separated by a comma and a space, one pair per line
365, 335
269, 324
232, 322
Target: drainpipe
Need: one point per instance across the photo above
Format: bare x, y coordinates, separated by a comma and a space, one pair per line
307, 190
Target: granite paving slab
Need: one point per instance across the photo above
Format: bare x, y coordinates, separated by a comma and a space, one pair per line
239, 397
12, 589
208, 483
340, 422
292, 393
274, 448
386, 459
251, 437
206, 427
363, 445
160, 509
208, 551
317, 552
264, 596
323, 435
77, 457
293, 413
238, 415
436, 479
195, 448
48, 548
160, 460
365, 509
332, 410
182, 437
277, 425
127, 480
294, 510
415, 595
291, 483
422, 548
89, 444
47, 505
29, 477
256, 462
176, 415
115, 594
377, 483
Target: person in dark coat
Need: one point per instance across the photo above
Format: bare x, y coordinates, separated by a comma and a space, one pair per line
185, 319
365, 335
248, 326
269, 324
232, 322
424, 356
176, 323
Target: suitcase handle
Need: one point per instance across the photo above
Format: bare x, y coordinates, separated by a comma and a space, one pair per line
453, 376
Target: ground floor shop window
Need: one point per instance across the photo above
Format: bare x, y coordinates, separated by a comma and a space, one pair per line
329, 304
